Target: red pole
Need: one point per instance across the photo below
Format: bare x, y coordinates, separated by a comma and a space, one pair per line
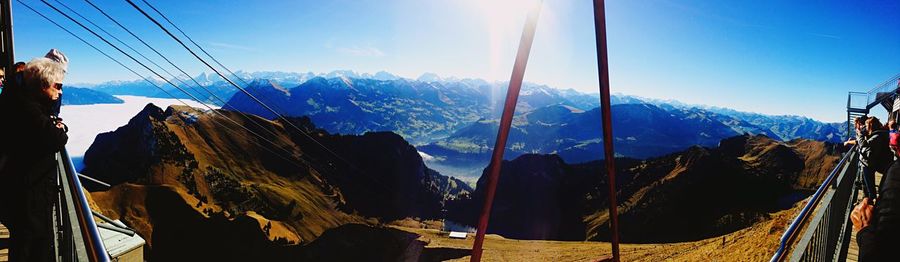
603, 69
509, 108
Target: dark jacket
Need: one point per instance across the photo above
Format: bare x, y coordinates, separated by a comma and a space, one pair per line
29, 140
875, 151
879, 240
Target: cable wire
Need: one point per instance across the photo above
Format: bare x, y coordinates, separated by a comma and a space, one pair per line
146, 79
179, 69
235, 85
148, 46
280, 116
157, 74
120, 41
308, 163
264, 96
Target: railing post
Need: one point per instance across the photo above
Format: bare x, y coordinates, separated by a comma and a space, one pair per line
60, 234
90, 245
7, 54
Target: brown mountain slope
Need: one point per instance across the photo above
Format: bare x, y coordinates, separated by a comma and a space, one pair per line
188, 157
180, 179
702, 192
686, 196
539, 197
757, 242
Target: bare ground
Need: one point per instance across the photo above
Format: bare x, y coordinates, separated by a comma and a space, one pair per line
755, 243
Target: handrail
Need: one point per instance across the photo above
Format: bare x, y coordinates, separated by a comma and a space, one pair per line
793, 229
96, 251
872, 98
104, 184
850, 98
878, 100
885, 83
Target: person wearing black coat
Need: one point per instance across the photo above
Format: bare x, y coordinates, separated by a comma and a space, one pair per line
29, 139
878, 225
875, 154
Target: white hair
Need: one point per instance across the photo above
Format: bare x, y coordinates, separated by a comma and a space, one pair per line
42, 72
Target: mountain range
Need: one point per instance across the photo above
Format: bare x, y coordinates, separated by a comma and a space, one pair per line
641, 130
454, 121
542, 96
419, 111
85, 96
367, 162
196, 188
329, 96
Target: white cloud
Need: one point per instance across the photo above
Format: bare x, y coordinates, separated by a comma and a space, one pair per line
825, 35
232, 46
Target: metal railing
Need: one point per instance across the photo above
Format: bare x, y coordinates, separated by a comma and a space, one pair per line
857, 106
78, 238
887, 86
822, 224
857, 100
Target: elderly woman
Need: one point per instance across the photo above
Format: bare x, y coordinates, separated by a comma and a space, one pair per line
30, 138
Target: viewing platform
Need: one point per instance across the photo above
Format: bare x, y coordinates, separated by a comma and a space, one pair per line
82, 234
121, 246
853, 251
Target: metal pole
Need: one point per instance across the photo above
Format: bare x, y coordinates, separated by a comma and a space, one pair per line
512, 95
603, 70
92, 240
7, 57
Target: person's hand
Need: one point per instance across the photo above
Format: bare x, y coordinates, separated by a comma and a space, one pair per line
61, 125
861, 215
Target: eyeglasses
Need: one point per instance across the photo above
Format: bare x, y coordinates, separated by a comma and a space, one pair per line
58, 86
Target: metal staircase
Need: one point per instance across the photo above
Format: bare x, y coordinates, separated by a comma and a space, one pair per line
860, 103
857, 105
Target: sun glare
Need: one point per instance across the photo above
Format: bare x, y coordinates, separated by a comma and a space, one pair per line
503, 21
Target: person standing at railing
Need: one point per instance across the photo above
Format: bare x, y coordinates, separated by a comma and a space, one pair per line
20, 68
30, 138
877, 222
894, 139
13, 82
866, 169
877, 225
58, 57
875, 153
859, 124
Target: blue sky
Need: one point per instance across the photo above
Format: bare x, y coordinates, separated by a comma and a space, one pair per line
773, 57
